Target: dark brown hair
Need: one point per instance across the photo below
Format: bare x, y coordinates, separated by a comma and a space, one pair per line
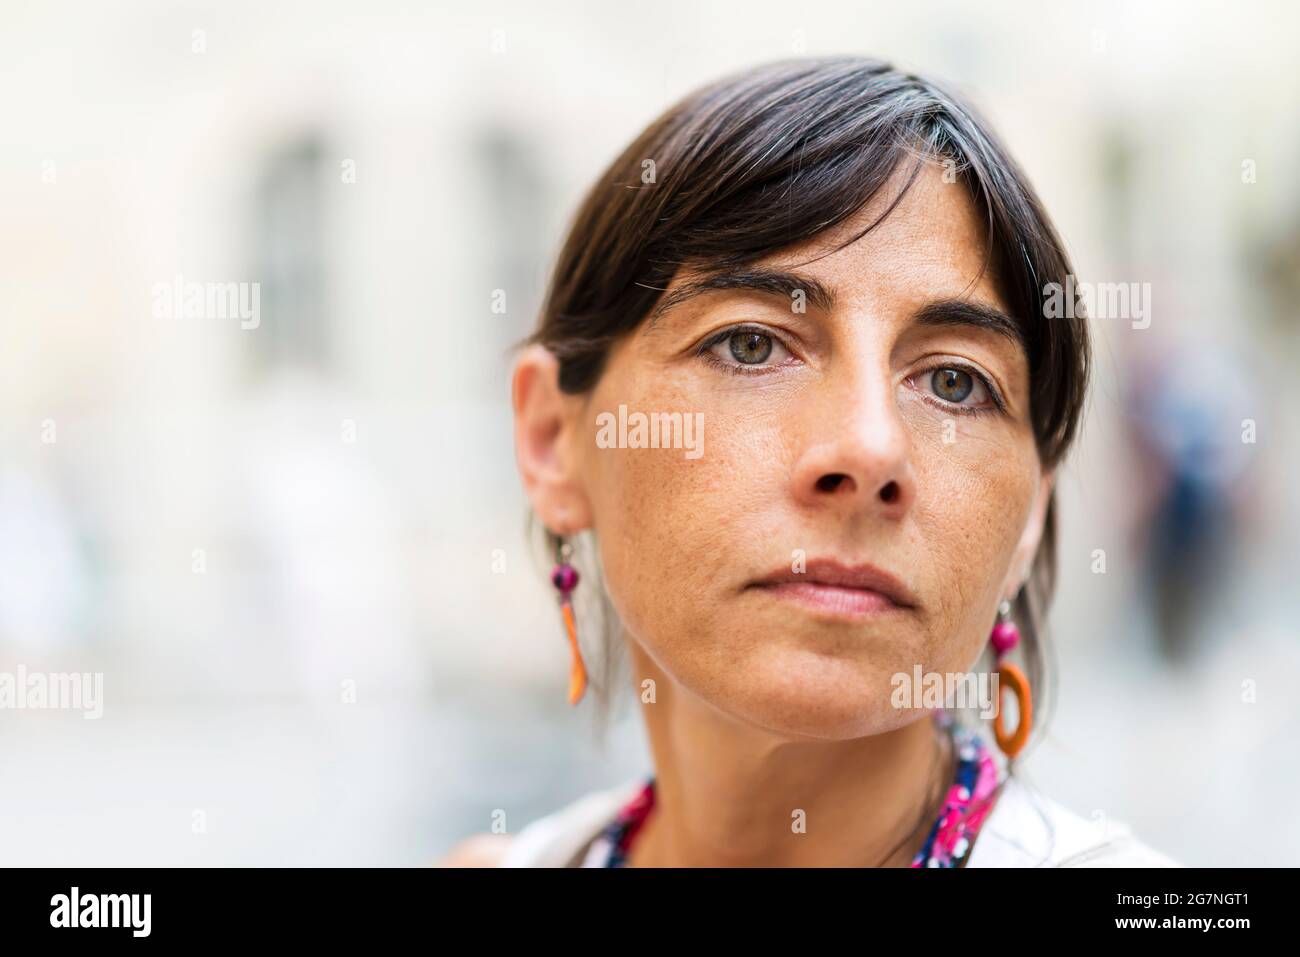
775, 155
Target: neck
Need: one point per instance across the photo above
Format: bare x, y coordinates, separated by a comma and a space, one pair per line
728, 794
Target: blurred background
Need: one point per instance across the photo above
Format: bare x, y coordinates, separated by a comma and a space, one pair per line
297, 552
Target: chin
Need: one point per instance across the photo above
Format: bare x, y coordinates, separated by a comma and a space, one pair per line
809, 693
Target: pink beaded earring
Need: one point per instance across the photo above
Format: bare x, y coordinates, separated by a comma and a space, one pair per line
565, 579
1004, 638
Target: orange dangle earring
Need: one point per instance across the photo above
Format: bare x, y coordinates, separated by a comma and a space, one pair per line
1004, 638
565, 579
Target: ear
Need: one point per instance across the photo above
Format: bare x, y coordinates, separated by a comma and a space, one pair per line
546, 423
1023, 559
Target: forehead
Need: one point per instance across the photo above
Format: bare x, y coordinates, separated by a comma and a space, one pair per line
932, 244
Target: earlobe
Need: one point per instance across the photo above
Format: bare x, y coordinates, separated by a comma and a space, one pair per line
544, 437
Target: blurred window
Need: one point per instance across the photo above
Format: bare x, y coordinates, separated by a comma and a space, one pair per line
289, 250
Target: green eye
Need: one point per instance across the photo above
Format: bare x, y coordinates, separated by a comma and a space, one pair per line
748, 350
952, 385
750, 347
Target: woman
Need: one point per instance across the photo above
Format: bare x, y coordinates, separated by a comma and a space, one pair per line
795, 391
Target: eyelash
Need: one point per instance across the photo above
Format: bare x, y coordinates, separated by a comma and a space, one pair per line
705, 351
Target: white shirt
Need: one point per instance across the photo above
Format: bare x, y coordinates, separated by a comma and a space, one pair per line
1024, 829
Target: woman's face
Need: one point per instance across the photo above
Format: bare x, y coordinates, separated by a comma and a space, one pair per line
867, 488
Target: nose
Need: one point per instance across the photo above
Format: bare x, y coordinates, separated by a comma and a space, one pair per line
857, 457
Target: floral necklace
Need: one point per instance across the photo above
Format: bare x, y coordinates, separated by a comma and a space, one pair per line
948, 844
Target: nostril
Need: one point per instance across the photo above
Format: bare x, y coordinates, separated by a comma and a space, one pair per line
829, 483
889, 493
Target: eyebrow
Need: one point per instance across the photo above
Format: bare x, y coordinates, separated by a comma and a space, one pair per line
965, 312
777, 282
772, 282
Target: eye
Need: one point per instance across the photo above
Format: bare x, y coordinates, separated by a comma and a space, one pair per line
961, 387
745, 349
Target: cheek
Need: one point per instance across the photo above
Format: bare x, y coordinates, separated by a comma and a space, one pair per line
663, 515
974, 496
681, 536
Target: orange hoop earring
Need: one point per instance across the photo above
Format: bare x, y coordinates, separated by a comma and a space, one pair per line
1004, 638
565, 579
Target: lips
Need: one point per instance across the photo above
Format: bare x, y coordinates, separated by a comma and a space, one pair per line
838, 589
